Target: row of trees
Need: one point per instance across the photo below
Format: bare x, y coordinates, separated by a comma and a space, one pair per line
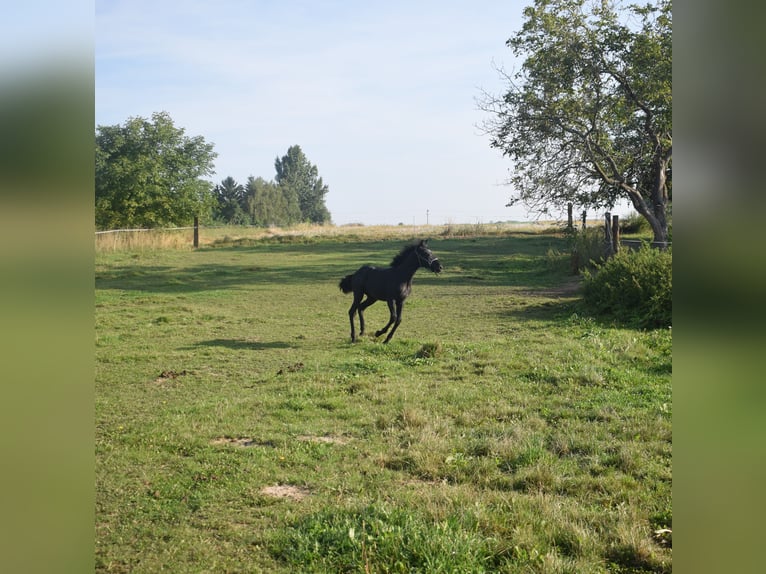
150, 174
296, 194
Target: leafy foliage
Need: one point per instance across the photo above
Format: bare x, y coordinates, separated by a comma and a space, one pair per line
633, 224
634, 287
301, 184
149, 174
588, 118
231, 198
268, 204
297, 195
587, 248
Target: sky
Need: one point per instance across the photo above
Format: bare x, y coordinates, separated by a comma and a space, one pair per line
381, 96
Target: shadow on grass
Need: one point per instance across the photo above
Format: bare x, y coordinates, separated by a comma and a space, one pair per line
166, 279
513, 261
544, 311
241, 344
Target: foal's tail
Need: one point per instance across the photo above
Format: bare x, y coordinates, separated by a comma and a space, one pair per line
345, 284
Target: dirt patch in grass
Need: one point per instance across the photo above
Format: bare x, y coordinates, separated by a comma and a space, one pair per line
423, 483
250, 442
326, 439
291, 369
170, 375
288, 491
241, 441
569, 288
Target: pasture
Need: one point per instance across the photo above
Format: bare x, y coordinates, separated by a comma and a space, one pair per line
239, 430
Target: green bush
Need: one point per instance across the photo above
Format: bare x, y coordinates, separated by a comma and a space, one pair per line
633, 287
634, 224
587, 248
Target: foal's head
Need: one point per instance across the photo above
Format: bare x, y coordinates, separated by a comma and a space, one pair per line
426, 258
424, 255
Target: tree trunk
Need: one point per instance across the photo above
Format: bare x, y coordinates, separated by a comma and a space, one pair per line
660, 198
654, 213
658, 224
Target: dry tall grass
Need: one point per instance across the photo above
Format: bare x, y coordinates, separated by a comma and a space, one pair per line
144, 240
161, 239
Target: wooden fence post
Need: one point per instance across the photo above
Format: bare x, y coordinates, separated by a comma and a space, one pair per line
616, 233
608, 248
196, 231
570, 223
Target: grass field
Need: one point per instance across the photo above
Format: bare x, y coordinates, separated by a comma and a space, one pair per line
501, 430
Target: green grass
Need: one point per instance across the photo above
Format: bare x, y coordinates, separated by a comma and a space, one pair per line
501, 430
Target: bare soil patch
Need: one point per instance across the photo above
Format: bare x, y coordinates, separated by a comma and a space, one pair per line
291, 369
288, 491
568, 288
170, 375
326, 439
240, 441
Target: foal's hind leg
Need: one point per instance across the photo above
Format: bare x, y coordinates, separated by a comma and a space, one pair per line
391, 319
362, 306
351, 311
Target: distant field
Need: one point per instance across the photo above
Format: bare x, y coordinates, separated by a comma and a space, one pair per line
182, 237
501, 430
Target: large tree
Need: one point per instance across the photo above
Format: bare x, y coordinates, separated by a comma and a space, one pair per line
588, 117
149, 174
300, 181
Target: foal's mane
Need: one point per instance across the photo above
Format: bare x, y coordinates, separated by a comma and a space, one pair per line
404, 253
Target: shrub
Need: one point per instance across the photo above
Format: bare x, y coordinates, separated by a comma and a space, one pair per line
634, 287
634, 224
587, 248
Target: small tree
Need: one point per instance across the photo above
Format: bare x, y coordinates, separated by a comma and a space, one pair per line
267, 204
231, 197
588, 118
149, 174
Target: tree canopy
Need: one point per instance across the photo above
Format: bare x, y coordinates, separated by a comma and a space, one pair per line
149, 174
295, 195
232, 201
588, 117
268, 204
300, 182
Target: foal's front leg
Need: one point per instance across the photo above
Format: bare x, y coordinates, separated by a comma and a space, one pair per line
351, 312
391, 319
399, 305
